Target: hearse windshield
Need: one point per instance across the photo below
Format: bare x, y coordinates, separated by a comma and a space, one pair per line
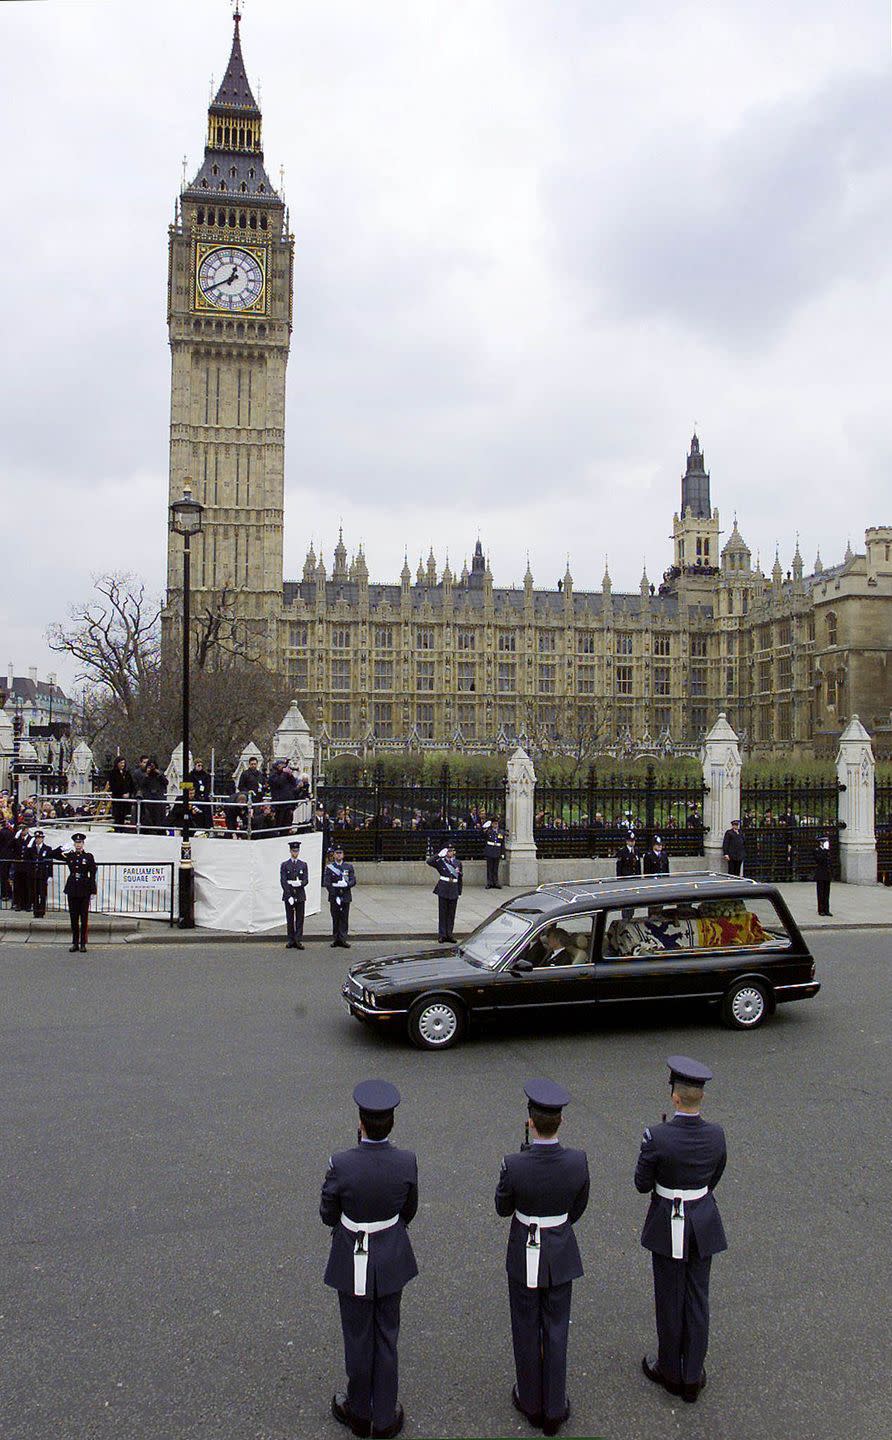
491, 942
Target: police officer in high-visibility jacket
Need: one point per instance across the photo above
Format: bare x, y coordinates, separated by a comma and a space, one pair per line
545, 1189
679, 1165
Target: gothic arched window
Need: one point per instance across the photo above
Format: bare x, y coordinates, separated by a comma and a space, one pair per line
831, 627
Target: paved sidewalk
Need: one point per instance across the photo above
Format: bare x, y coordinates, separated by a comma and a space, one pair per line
409, 912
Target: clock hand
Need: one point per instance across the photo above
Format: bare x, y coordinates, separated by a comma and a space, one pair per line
228, 281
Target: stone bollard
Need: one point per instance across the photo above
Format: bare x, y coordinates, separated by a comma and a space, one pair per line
721, 774
856, 770
523, 863
174, 774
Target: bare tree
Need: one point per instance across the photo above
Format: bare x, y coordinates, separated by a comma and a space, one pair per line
219, 634
115, 639
132, 690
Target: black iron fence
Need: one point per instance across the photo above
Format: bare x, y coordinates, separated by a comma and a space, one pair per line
883, 822
409, 821
781, 822
594, 819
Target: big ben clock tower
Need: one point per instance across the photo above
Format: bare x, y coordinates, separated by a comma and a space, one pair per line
229, 303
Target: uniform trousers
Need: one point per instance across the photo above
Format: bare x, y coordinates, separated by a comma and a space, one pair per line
735, 867
340, 920
492, 873
294, 918
681, 1295
823, 887
445, 916
371, 1328
79, 911
22, 884
540, 1328
41, 884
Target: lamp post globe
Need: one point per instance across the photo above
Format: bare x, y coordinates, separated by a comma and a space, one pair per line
185, 519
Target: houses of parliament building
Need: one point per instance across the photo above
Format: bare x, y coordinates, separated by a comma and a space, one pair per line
454, 659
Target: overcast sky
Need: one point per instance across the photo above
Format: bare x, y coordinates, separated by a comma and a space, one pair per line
537, 240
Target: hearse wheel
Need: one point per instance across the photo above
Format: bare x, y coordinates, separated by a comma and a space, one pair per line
436, 1022
746, 1005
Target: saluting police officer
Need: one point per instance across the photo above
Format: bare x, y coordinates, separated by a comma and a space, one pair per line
447, 890
294, 877
339, 878
80, 887
369, 1196
494, 851
545, 1189
680, 1163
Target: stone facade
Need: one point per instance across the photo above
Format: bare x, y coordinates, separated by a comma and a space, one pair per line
229, 351
440, 658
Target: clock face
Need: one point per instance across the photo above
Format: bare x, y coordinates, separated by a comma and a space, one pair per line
230, 278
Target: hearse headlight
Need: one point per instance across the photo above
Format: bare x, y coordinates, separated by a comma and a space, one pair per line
369, 998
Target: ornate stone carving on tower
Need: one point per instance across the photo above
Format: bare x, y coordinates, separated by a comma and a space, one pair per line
229, 321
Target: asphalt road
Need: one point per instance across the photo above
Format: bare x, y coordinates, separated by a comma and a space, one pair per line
167, 1114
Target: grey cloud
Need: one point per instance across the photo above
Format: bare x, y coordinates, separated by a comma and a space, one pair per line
733, 237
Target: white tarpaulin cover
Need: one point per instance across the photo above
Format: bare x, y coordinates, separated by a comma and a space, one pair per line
236, 881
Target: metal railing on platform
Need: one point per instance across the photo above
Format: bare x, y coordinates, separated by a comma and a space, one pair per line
221, 815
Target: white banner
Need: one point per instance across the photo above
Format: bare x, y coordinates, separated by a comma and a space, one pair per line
237, 884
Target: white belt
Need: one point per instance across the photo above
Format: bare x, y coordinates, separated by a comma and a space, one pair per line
534, 1224
680, 1197
360, 1248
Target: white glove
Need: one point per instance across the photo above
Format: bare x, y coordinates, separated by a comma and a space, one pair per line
290, 899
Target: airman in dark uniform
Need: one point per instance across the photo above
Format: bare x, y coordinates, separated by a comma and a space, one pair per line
822, 874
679, 1165
734, 848
447, 890
369, 1197
294, 877
80, 887
545, 1189
339, 878
494, 851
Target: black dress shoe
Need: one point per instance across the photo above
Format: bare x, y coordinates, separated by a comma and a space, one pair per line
535, 1420
298, 945
344, 1416
72, 949
83, 948
552, 1426
653, 1372
394, 1427
691, 1392
290, 945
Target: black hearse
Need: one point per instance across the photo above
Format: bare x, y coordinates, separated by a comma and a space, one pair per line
583, 944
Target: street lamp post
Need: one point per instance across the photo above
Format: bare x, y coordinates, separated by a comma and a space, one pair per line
185, 520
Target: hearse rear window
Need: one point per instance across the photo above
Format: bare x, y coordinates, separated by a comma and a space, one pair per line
684, 925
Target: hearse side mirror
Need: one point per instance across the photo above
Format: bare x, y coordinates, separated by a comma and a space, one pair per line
522, 967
